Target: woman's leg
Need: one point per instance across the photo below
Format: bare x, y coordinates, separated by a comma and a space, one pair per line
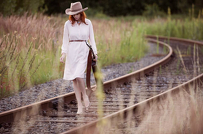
81, 86
78, 95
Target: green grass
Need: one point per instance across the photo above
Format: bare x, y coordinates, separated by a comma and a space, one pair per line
186, 28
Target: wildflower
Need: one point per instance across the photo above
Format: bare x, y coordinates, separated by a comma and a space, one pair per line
34, 38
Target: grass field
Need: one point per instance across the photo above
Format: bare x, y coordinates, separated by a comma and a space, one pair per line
31, 44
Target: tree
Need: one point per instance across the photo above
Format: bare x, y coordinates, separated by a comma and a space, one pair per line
9, 7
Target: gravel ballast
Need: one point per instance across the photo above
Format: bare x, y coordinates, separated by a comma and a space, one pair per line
58, 87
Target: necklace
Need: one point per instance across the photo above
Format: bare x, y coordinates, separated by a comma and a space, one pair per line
78, 22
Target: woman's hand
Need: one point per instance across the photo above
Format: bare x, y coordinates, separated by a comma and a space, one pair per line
62, 58
95, 57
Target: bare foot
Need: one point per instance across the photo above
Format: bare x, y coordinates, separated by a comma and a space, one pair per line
94, 89
80, 111
86, 101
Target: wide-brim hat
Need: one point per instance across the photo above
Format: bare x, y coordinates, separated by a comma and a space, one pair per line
75, 8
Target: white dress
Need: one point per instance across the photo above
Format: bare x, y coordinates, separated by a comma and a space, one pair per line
77, 52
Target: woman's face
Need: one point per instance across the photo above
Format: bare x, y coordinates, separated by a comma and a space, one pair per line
76, 16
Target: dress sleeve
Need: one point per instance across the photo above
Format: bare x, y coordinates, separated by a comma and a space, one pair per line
65, 39
92, 41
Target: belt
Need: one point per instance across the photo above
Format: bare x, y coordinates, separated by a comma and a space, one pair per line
77, 40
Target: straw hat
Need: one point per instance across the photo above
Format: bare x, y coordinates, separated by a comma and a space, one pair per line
75, 8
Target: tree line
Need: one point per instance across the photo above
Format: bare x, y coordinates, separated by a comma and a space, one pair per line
108, 7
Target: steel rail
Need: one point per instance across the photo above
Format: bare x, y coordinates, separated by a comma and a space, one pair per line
93, 127
34, 109
175, 39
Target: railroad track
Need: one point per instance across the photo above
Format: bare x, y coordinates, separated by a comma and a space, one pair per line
121, 96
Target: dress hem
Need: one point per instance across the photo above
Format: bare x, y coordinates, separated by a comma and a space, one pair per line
74, 78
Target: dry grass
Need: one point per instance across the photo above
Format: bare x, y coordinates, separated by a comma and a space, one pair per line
180, 113
41, 30
177, 114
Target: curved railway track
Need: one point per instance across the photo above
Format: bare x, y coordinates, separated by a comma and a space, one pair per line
122, 95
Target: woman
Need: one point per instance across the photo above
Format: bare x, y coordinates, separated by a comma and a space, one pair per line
77, 30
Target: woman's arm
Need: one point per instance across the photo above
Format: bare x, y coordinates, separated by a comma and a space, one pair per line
92, 40
65, 39
65, 43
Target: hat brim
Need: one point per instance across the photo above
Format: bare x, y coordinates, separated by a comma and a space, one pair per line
69, 12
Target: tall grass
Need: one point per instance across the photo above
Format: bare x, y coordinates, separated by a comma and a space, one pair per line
188, 27
175, 114
118, 41
29, 51
31, 45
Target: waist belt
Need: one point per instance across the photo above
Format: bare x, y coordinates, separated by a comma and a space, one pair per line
77, 40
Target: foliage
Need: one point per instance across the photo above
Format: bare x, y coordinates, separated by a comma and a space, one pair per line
10, 7
95, 13
126, 7
107, 7
153, 11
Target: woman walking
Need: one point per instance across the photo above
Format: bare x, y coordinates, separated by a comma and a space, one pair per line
77, 30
